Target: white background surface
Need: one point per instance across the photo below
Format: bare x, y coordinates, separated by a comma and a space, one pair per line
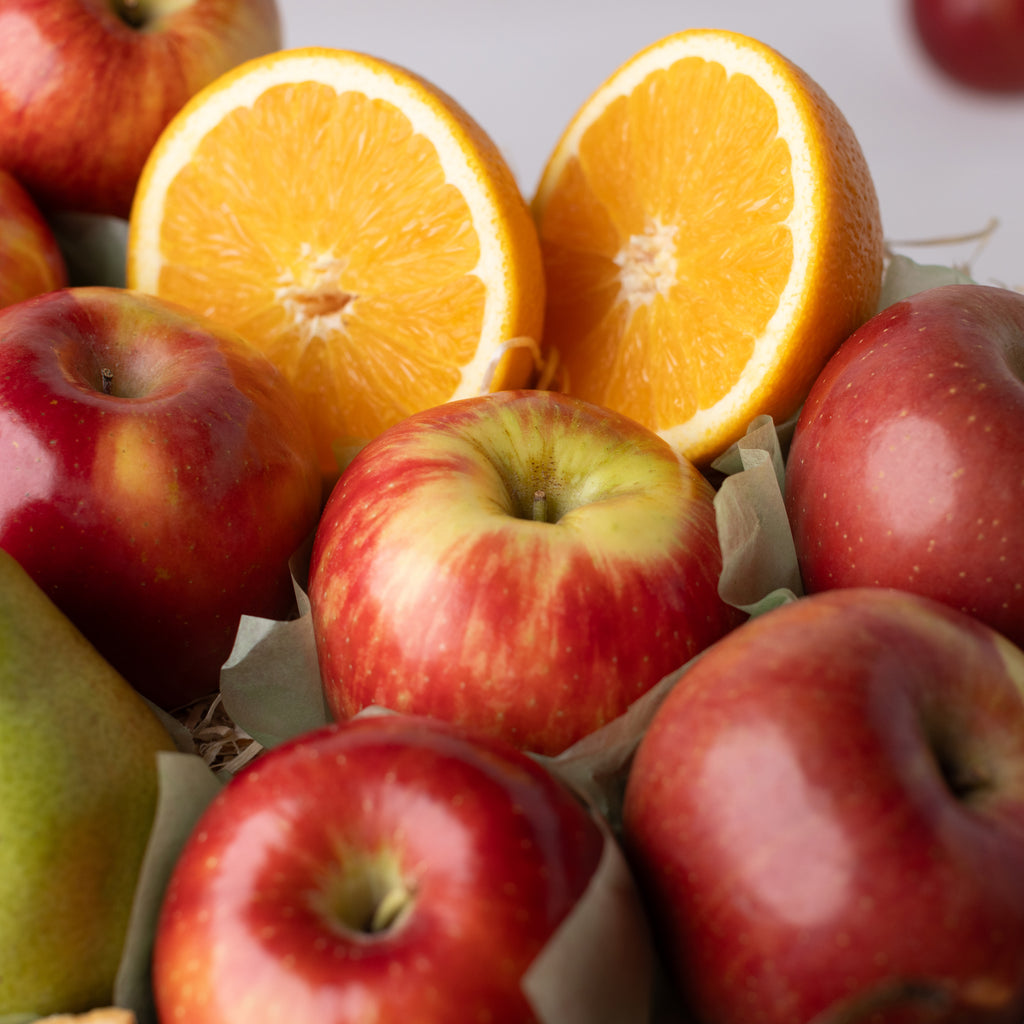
945, 161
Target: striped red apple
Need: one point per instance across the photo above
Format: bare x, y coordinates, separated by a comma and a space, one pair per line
31, 261
524, 563
88, 86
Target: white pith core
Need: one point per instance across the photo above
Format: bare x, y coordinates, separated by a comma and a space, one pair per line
647, 264
312, 294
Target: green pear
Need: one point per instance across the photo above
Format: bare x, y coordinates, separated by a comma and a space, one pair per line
78, 795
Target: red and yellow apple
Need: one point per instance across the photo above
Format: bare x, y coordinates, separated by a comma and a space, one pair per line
389, 868
31, 261
523, 563
89, 85
156, 474
826, 814
906, 468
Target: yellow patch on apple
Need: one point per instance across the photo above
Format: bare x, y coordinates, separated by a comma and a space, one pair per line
133, 468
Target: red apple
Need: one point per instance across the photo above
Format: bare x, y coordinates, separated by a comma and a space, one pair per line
156, 474
524, 563
88, 85
30, 258
827, 815
906, 467
977, 43
390, 869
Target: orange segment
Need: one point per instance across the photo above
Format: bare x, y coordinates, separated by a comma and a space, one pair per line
710, 232
353, 222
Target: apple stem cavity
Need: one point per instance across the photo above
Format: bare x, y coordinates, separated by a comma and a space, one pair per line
931, 996
131, 13
368, 896
963, 780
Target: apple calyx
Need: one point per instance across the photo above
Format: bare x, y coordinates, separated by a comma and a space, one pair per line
367, 895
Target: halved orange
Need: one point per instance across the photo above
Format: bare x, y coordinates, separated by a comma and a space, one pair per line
356, 224
711, 232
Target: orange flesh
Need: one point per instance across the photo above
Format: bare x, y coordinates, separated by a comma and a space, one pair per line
363, 291
673, 218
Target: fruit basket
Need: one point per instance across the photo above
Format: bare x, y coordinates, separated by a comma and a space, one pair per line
403, 285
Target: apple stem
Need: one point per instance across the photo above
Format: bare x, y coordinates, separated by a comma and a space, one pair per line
107, 380
387, 911
540, 507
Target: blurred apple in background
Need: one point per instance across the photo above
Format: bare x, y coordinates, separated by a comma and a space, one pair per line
78, 796
30, 258
156, 474
390, 868
827, 813
88, 85
523, 563
977, 43
906, 467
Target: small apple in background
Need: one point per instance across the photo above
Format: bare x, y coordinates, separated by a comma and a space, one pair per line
89, 86
390, 868
156, 474
78, 796
30, 258
975, 43
827, 812
523, 563
906, 467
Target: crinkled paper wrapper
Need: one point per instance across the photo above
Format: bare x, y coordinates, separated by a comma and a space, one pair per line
600, 966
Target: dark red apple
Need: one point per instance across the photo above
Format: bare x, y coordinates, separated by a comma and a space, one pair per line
827, 816
156, 475
906, 467
389, 869
977, 43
